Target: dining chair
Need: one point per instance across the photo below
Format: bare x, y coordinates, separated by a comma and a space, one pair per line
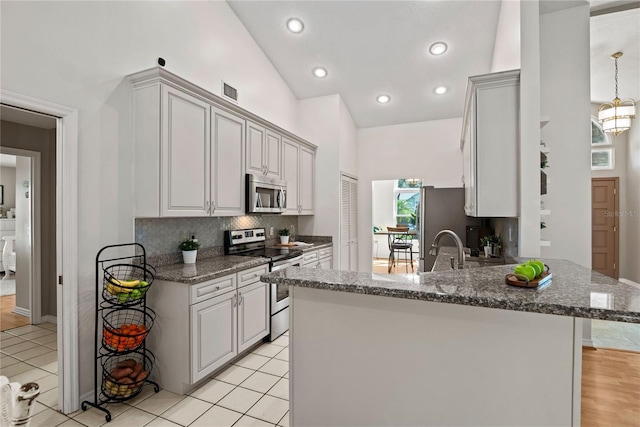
400, 241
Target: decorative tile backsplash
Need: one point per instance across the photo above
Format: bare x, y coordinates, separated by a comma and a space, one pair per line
161, 236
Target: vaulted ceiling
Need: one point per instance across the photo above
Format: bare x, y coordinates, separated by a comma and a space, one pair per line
371, 48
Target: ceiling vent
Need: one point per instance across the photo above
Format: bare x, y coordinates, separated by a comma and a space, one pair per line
229, 92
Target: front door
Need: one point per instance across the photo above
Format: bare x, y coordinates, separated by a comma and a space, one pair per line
604, 226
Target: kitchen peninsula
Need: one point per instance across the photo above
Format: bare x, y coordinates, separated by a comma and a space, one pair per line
454, 347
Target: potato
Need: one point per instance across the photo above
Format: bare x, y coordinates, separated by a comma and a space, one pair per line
119, 373
128, 363
142, 376
136, 371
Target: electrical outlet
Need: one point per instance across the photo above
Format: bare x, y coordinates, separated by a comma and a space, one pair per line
510, 238
270, 231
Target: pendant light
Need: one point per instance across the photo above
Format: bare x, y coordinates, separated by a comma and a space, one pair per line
616, 116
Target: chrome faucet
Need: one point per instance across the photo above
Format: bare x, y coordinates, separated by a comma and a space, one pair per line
435, 248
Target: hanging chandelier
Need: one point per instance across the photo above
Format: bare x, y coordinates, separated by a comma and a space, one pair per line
616, 116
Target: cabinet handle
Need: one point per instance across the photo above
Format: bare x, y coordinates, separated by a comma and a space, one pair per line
213, 207
235, 300
240, 299
207, 206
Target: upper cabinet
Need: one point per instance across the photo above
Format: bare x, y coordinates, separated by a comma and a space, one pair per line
489, 144
263, 151
298, 170
192, 150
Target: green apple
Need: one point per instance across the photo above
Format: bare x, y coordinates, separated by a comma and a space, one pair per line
525, 270
535, 266
540, 264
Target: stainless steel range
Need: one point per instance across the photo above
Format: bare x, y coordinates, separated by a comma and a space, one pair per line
252, 242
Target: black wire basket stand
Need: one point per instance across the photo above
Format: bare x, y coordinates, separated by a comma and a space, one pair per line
122, 323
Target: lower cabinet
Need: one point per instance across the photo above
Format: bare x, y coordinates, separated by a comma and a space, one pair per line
318, 258
200, 328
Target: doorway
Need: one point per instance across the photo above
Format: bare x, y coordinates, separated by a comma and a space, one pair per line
66, 397
605, 226
20, 237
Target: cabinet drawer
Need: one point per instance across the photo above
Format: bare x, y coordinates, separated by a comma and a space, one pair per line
325, 252
250, 276
205, 290
310, 257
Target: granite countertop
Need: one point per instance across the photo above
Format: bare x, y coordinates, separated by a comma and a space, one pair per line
574, 290
207, 268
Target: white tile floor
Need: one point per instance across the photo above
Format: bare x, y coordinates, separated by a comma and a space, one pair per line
254, 391
624, 336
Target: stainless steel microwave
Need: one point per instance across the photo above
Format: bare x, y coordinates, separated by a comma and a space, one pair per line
266, 195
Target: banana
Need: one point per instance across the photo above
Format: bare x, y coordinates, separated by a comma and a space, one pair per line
115, 286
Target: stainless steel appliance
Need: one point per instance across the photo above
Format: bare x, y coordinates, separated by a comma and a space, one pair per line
440, 209
252, 242
266, 195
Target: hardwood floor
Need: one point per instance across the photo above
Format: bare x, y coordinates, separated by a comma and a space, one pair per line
381, 266
8, 319
610, 388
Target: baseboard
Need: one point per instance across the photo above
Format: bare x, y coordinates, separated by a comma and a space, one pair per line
629, 282
22, 311
88, 396
587, 342
49, 318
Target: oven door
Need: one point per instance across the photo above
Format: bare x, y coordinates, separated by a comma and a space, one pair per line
280, 293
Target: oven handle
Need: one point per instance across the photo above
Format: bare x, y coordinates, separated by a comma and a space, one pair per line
280, 265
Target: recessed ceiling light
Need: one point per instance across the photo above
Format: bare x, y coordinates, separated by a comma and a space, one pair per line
383, 99
440, 90
320, 72
438, 48
295, 25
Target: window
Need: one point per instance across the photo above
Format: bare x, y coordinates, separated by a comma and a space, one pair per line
406, 201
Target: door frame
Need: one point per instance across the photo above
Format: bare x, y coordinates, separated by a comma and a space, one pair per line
35, 279
66, 241
616, 233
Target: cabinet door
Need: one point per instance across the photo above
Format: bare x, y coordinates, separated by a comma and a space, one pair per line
214, 331
253, 314
227, 163
468, 170
290, 173
273, 155
326, 263
255, 161
185, 173
307, 185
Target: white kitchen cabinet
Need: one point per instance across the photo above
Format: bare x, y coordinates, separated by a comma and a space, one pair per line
192, 150
263, 155
202, 327
186, 169
489, 144
227, 142
291, 174
348, 223
214, 339
307, 180
318, 258
310, 259
253, 314
298, 170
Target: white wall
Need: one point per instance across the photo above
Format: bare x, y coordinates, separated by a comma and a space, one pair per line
318, 123
348, 140
564, 74
78, 54
427, 150
632, 251
382, 201
506, 51
8, 180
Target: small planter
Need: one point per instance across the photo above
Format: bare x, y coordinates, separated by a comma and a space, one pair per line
284, 240
487, 251
189, 257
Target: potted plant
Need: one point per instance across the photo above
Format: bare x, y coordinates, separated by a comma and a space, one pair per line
491, 245
189, 248
284, 236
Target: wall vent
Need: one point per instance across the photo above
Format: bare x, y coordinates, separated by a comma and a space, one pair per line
229, 92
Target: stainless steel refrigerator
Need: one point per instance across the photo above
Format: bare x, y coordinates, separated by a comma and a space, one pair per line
440, 209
